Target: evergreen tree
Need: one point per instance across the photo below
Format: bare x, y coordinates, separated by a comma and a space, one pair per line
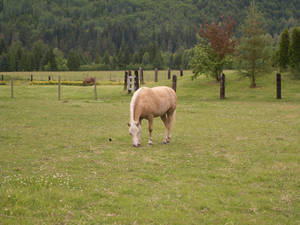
105, 59
3, 46
284, 50
294, 52
146, 59
158, 60
39, 55
171, 61
73, 62
4, 62
61, 62
253, 51
51, 60
178, 59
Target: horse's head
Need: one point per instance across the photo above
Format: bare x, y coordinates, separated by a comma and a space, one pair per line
135, 133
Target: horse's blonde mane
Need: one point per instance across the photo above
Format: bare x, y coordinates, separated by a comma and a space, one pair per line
132, 104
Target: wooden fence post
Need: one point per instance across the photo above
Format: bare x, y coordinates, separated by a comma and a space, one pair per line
222, 86
136, 80
49, 78
141, 75
130, 83
31, 77
125, 80
2, 78
156, 75
174, 82
95, 89
169, 73
278, 85
11, 87
181, 72
59, 88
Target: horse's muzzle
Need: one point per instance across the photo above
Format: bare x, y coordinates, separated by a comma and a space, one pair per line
138, 145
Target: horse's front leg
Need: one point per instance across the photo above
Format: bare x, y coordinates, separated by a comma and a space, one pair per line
150, 123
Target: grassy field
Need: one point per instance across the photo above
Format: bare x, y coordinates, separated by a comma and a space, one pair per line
232, 161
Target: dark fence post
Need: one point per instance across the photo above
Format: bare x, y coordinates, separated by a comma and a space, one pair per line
2, 78
136, 80
174, 82
130, 83
125, 80
181, 72
95, 89
278, 85
11, 87
169, 73
49, 78
31, 77
156, 75
59, 88
222, 86
141, 75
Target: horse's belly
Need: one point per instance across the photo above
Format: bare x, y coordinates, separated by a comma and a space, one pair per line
155, 113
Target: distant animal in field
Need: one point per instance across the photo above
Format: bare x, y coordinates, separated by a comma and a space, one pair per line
89, 81
148, 103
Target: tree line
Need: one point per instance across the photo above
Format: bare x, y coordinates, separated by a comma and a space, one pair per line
114, 34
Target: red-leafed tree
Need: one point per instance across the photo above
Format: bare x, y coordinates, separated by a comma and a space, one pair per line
216, 43
219, 36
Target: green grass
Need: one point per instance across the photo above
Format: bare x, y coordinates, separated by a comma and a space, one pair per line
232, 161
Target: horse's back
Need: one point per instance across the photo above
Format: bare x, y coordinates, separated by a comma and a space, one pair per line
156, 101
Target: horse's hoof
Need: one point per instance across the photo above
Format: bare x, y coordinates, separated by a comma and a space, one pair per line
166, 142
150, 143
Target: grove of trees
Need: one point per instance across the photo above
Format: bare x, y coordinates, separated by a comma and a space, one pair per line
114, 34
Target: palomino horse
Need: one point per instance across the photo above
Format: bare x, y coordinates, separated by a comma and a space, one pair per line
147, 103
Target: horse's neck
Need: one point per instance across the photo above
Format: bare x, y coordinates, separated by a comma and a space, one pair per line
133, 103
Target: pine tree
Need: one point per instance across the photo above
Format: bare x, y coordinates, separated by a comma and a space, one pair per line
254, 47
3, 46
51, 60
284, 50
294, 51
39, 55
105, 59
146, 59
73, 62
158, 60
4, 62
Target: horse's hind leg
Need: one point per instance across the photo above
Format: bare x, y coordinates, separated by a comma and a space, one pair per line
168, 121
165, 119
150, 123
171, 119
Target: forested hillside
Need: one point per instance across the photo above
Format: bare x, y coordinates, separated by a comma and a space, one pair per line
108, 31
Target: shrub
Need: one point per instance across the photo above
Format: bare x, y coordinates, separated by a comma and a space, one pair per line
88, 81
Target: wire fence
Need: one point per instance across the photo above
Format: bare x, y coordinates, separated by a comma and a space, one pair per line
118, 76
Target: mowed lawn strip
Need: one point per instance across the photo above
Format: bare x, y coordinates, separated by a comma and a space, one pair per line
233, 161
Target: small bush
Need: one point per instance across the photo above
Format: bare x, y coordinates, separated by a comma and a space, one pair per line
88, 81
